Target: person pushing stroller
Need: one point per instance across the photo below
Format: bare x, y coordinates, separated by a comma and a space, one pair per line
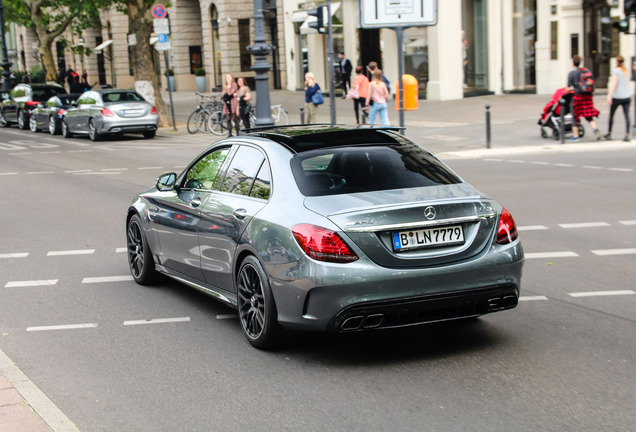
582, 82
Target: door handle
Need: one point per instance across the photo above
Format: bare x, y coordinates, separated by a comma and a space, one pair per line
240, 213
195, 202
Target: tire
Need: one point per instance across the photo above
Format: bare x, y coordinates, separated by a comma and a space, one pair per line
92, 132
216, 123
140, 262
23, 123
192, 123
3, 121
149, 134
66, 132
33, 124
256, 306
53, 129
281, 118
202, 121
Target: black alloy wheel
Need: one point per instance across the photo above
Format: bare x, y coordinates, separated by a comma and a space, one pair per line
3, 121
23, 123
33, 124
257, 310
52, 126
142, 266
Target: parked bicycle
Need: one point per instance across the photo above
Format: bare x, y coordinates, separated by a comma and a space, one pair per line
217, 121
198, 120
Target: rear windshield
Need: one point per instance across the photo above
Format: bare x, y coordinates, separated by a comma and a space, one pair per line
335, 171
43, 94
122, 97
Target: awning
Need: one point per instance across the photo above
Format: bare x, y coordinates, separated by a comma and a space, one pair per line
103, 45
305, 29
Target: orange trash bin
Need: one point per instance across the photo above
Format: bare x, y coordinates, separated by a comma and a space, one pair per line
411, 95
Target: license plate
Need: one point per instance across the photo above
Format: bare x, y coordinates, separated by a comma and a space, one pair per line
429, 237
132, 111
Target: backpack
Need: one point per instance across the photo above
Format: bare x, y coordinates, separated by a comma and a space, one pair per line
586, 82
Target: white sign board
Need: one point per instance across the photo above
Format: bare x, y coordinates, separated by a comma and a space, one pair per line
397, 13
161, 26
163, 46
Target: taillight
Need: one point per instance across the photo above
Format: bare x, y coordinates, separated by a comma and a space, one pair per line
61, 111
33, 103
322, 244
507, 232
153, 111
106, 112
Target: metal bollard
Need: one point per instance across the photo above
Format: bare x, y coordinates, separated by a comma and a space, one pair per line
562, 125
488, 126
302, 115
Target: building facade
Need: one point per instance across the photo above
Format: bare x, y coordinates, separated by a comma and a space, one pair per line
476, 47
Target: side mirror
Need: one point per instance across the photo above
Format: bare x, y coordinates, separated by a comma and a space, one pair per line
166, 182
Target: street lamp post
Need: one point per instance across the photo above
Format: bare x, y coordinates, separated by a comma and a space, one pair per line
260, 50
6, 64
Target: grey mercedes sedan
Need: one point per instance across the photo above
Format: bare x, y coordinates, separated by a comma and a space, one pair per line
97, 113
323, 228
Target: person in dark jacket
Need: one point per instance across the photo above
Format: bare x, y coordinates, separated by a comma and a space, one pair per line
345, 72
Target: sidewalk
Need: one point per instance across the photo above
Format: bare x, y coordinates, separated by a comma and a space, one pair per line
439, 126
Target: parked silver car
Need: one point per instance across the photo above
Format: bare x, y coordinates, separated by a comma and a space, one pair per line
327, 229
106, 112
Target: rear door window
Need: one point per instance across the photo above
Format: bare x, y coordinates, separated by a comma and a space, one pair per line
241, 173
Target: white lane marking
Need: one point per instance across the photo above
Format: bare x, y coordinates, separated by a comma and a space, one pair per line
77, 171
532, 228
114, 169
80, 151
493, 160
71, 252
226, 316
120, 250
40, 172
15, 255
565, 254
157, 321
585, 225
516, 161
621, 169
606, 252
540, 163
32, 283
62, 327
98, 173
564, 165
8, 173
105, 279
592, 167
20, 154
150, 168
532, 298
51, 152
628, 222
602, 293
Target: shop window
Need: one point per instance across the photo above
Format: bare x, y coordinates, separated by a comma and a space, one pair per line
244, 42
196, 60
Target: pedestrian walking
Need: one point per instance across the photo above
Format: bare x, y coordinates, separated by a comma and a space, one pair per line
244, 97
378, 93
230, 103
345, 72
582, 82
358, 93
618, 95
26, 78
313, 98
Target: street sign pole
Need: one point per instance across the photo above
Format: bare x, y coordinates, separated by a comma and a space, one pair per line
400, 43
330, 53
165, 57
162, 28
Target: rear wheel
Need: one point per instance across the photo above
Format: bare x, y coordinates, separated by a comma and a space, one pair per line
142, 266
33, 124
257, 310
52, 126
3, 121
23, 122
92, 132
192, 122
216, 123
66, 132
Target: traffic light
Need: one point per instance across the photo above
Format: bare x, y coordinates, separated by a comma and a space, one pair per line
319, 23
621, 25
629, 7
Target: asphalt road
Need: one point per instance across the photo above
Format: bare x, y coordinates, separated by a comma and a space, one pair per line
115, 356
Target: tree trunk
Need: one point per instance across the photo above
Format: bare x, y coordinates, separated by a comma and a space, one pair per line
146, 80
45, 41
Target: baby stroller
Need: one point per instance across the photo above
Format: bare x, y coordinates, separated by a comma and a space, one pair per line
551, 116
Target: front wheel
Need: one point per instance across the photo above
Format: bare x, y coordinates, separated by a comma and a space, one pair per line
3, 121
142, 266
257, 309
23, 122
92, 131
192, 122
217, 123
52, 126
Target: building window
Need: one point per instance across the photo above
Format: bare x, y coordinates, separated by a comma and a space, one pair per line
554, 37
196, 60
244, 42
